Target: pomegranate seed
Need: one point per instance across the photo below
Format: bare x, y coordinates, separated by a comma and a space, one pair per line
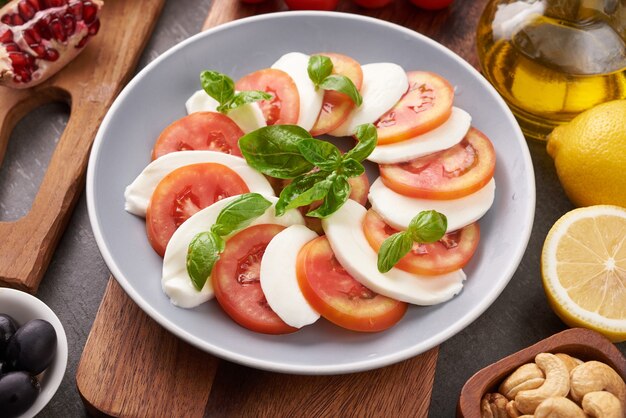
94, 28
56, 27
31, 37
42, 28
23, 76
56, 3
51, 54
16, 20
26, 10
6, 37
35, 4
12, 47
39, 50
6, 19
19, 59
76, 9
82, 42
89, 12
69, 24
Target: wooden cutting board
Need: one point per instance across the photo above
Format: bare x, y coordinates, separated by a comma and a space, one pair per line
89, 84
132, 367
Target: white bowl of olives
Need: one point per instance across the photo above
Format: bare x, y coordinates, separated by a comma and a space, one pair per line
33, 354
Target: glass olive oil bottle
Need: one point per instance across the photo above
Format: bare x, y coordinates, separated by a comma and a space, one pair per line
552, 59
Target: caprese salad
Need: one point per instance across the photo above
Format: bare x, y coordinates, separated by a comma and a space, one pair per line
246, 205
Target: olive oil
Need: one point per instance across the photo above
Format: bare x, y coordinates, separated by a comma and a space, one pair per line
552, 59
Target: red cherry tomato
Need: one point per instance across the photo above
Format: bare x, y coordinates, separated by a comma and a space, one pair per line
184, 192
312, 4
337, 106
456, 172
338, 297
284, 107
237, 283
426, 105
199, 131
432, 4
372, 4
450, 253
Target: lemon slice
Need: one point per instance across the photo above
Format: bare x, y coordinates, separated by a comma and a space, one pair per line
583, 265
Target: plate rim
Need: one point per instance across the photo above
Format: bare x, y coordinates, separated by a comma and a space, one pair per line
274, 366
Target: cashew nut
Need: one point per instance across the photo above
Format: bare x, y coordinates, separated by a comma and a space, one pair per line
512, 410
594, 376
556, 383
526, 377
559, 407
570, 362
493, 405
602, 405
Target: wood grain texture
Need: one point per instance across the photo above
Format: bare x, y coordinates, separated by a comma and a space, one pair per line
118, 388
581, 343
89, 84
132, 367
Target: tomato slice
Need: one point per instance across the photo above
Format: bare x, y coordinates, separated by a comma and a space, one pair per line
426, 105
337, 106
450, 174
338, 297
284, 107
450, 253
237, 283
184, 192
199, 131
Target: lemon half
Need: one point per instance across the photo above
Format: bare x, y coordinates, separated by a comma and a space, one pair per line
583, 265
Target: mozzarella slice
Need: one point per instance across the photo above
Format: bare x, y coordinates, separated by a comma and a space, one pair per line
295, 64
175, 281
450, 133
139, 192
383, 85
279, 280
397, 210
344, 230
248, 117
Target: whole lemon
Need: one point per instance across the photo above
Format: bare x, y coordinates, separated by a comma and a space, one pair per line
590, 155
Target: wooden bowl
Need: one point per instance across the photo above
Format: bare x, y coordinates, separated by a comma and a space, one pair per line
578, 342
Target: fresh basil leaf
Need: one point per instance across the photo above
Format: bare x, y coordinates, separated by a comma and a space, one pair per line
336, 197
352, 168
240, 212
368, 137
245, 97
319, 68
204, 251
320, 153
393, 249
344, 85
217, 85
298, 186
273, 150
428, 226
318, 191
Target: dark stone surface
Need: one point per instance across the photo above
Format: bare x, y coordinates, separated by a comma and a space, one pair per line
76, 279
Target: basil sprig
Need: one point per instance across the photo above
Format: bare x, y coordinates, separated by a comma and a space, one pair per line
320, 70
222, 88
318, 169
205, 248
427, 226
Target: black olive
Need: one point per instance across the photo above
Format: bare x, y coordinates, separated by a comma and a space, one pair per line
32, 347
8, 326
18, 391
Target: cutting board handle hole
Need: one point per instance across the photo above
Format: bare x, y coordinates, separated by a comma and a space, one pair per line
28, 152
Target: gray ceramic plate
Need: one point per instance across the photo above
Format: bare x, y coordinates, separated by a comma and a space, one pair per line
156, 97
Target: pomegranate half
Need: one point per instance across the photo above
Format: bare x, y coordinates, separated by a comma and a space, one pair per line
39, 37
